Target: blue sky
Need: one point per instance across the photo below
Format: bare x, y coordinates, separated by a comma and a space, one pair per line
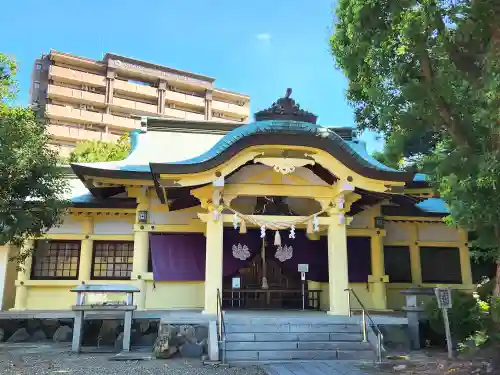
257, 47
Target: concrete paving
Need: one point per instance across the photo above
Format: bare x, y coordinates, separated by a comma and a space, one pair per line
312, 368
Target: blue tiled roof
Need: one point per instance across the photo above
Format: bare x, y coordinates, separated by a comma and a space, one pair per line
434, 205
355, 148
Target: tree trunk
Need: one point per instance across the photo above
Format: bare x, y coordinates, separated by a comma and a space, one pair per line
496, 290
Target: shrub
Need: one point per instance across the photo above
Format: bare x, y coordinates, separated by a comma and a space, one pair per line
465, 316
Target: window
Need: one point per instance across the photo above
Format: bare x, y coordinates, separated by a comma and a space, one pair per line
38, 66
112, 260
56, 260
440, 265
36, 85
397, 264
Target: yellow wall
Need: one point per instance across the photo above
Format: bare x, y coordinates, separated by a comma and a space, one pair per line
175, 295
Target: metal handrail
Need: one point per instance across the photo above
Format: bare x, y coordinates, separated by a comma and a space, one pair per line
221, 327
373, 325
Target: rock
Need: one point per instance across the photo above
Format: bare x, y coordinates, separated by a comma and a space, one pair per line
162, 348
33, 324
63, 334
147, 340
108, 332
191, 350
399, 368
144, 326
119, 342
201, 333
20, 335
204, 345
38, 335
188, 332
50, 327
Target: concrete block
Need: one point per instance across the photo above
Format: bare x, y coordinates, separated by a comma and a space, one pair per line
262, 345
297, 355
284, 336
242, 356
346, 337
322, 336
257, 328
240, 337
332, 345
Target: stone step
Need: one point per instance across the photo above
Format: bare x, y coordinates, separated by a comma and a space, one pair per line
292, 328
296, 345
287, 336
286, 355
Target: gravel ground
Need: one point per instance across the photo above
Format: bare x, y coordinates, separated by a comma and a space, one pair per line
48, 359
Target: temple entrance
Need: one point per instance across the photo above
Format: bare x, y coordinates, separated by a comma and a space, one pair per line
264, 282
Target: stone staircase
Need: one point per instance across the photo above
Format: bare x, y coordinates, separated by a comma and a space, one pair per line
281, 339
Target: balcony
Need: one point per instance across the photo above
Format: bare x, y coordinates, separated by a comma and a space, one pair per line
67, 94
177, 113
74, 76
233, 109
88, 117
180, 98
76, 134
131, 106
135, 89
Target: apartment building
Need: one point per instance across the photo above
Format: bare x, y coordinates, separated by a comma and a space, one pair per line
86, 99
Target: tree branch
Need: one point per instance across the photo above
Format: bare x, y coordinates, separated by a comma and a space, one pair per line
444, 109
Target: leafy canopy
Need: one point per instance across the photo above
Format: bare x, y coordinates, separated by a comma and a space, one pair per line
95, 151
32, 187
426, 74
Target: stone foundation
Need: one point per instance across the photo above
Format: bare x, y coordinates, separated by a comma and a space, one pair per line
167, 340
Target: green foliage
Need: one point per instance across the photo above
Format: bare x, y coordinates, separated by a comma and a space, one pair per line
466, 316
31, 183
8, 85
475, 341
426, 74
95, 151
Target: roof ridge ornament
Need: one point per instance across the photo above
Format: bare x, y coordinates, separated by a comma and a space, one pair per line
285, 108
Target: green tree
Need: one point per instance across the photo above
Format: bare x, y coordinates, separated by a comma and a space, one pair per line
94, 151
426, 74
32, 187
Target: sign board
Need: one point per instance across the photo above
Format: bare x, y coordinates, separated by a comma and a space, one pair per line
443, 296
303, 276
236, 284
303, 267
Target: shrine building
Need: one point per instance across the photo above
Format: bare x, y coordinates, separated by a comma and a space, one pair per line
201, 209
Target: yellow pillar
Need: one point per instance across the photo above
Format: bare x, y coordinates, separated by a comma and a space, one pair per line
21, 301
141, 250
213, 268
416, 268
337, 265
465, 259
86, 251
378, 278
140, 265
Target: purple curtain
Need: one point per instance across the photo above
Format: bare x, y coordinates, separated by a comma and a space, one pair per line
305, 251
178, 257
359, 261
232, 237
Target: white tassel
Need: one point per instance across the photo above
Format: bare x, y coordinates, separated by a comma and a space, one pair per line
235, 221
262, 231
316, 223
277, 238
292, 232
